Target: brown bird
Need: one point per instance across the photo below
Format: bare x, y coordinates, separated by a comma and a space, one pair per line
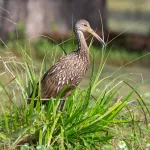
67, 73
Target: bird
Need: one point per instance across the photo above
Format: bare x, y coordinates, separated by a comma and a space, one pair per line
69, 70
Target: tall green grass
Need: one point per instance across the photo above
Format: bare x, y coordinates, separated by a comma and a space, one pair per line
87, 122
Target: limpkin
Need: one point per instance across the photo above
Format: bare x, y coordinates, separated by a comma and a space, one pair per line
70, 69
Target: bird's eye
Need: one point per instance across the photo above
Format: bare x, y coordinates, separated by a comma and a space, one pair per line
85, 25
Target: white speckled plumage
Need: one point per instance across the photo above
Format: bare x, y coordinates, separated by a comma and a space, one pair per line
68, 74
70, 69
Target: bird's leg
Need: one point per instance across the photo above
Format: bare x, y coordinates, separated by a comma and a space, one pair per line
62, 102
61, 106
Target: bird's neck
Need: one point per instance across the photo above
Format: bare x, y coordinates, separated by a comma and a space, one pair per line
83, 50
82, 45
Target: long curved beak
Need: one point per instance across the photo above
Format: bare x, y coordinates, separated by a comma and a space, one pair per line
95, 35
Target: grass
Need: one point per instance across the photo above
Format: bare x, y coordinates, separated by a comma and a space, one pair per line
42, 47
119, 56
105, 121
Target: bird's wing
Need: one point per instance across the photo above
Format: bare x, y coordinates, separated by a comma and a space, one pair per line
56, 78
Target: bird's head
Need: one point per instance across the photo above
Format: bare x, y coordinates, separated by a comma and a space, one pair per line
84, 26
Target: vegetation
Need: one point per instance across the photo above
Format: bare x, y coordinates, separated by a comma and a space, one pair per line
105, 121
41, 47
